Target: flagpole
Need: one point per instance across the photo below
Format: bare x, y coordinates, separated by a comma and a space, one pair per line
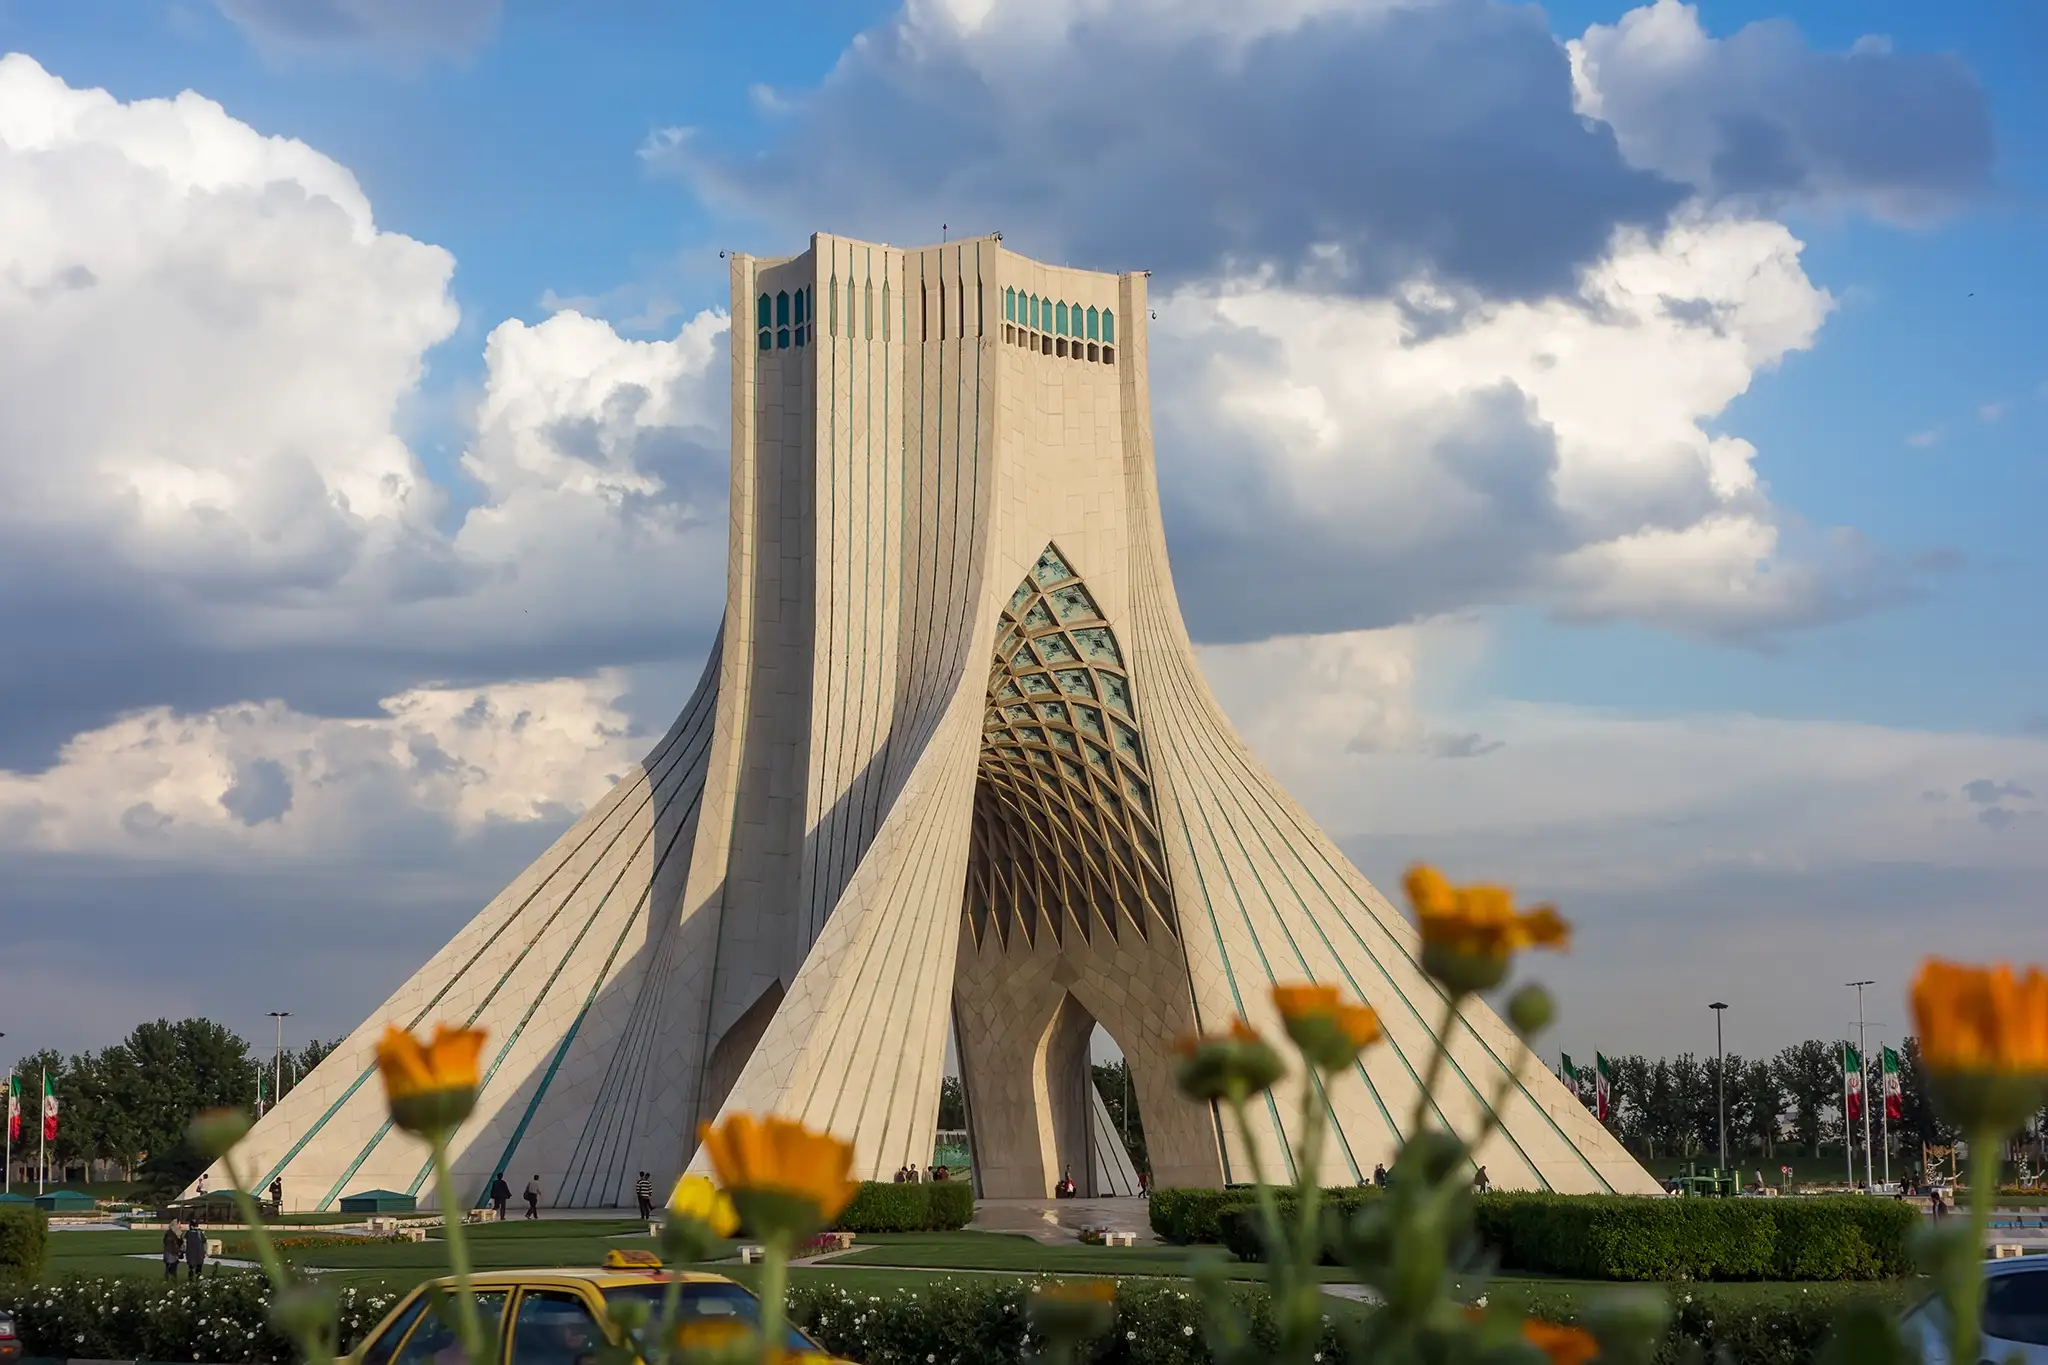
43, 1137
1862, 1053
13, 1108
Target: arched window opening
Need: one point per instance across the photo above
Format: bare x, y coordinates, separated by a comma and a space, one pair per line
1034, 314
766, 342
1059, 347
1109, 355
761, 314
1108, 328
782, 309
1094, 323
798, 307
1045, 345
1009, 332
782, 338
1009, 305
1093, 351
1060, 320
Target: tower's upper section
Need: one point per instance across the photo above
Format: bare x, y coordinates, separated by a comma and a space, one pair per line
966, 289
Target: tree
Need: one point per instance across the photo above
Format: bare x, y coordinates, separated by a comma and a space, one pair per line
1113, 1082
1811, 1074
952, 1104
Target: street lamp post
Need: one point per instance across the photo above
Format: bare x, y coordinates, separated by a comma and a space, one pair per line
1863, 1064
1720, 1080
277, 1064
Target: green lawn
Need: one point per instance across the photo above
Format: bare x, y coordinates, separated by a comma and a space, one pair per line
881, 1263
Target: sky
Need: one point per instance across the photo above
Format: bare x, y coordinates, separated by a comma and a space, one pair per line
1601, 449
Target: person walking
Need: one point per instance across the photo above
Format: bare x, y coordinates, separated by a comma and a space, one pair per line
1379, 1176
533, 1197
643, 1190
276, 1196
1481, 1183
195, 1249
501, 1195
174, 1250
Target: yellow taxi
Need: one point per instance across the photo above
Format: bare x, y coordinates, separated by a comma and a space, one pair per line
558, 1317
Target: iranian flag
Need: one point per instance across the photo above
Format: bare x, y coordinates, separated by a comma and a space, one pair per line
1894, 1090
1568, 1073
1852, 1083
1603, 1087
13, 1108
49, 1108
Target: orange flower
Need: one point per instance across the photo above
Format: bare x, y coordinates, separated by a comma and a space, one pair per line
1563, 1345
1329, 1032
1228, 1066
1981, 1018
1469, 933
783, 1178
431, 1088
1984, 1039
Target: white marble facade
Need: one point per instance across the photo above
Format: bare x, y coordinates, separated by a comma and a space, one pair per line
951, 767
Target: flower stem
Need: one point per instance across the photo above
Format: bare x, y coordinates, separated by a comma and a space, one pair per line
774, 1293
266, 1250
1968, 1310
312, 1346
665, 1330
467, 1324
1437, 1057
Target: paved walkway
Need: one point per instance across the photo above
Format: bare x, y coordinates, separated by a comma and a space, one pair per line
1056, 1222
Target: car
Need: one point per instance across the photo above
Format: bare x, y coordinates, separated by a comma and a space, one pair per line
558, 1317
10, 1340
2015, 1316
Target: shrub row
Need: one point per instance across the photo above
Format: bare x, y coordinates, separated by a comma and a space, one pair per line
929, 1206
964, 1321
1616, 1237
223, 1319
1611, 1237
24, 1241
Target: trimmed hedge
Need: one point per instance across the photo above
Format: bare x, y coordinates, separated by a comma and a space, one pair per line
1613, 1237
223, 1318
1239, 1225
1617, 1237
24, 1242
929, 1206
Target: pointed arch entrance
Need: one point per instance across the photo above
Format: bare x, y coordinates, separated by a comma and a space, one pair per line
1068, 919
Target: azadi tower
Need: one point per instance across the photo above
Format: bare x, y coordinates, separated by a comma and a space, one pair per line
952, 768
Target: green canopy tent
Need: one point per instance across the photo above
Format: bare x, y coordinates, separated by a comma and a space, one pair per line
379, 1201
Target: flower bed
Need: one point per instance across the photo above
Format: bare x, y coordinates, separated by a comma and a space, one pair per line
221, 1319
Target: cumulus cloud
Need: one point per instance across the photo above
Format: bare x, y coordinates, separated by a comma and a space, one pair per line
1426, 340
1762, 118
398, 28
1328, 465
264, 780
1367, 141
203, 496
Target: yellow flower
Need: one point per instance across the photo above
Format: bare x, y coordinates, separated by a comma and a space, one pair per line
700, 1215
430, 1089
1229, 1066
1329, 1032
1563, 1345
1470, 933
695, 1197
1984, 1039
784, 1179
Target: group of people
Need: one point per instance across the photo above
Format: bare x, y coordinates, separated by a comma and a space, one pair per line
501, 1195
910, 1175
189, 1247
1481, 1182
